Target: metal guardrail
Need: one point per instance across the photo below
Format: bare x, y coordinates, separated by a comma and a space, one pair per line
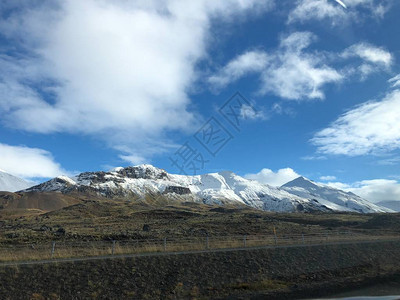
60, 249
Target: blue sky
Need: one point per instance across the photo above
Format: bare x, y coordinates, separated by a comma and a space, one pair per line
91, 85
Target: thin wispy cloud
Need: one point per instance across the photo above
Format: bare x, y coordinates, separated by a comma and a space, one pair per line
370, 54
327, 178
246, 63
393, 161
337, 12
372, 127
395, 81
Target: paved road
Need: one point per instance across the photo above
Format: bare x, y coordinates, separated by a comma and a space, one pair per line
77, 259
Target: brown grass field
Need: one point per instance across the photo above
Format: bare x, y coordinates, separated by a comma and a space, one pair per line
86, 225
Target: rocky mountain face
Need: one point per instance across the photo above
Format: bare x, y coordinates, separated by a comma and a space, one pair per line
10, 183
214, 188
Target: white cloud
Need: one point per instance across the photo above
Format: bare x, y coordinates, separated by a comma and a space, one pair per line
248, 62
367, 129
357, 10
364, 59
314, 157
134, 159
327, 178
389, 161
395, 81
28, 162
374, 190
247, 112
338, 185
316, 9
369, 53
377, 190
290, 72
119, 70
270, 177
296, 74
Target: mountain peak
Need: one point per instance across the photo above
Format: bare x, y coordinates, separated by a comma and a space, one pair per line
146, 167
145, 171
300, 182
332, 198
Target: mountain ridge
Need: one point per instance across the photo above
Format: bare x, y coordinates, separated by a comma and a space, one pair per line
212, 188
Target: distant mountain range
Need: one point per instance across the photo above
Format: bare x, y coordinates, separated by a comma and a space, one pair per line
393, 205
301, 194
12, 183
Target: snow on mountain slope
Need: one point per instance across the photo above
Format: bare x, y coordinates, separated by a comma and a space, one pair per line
10, 183
332, 198
213, 188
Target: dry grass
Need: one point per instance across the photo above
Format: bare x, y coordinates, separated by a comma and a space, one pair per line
140, 225
90, 249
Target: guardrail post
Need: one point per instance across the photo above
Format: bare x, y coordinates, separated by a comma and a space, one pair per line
113, 247
165, 244
302, 237
207, 244
53, 248
244, 241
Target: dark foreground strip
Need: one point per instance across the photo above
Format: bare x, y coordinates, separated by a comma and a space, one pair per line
149, 254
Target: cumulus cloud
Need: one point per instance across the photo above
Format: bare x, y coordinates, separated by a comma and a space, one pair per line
374, 190
289, 72
337, 15
247, 112
297, 74
370, 128
28, 162
119, 70
270, 177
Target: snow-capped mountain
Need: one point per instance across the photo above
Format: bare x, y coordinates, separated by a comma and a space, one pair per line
214, 188
10, 183
332, 198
